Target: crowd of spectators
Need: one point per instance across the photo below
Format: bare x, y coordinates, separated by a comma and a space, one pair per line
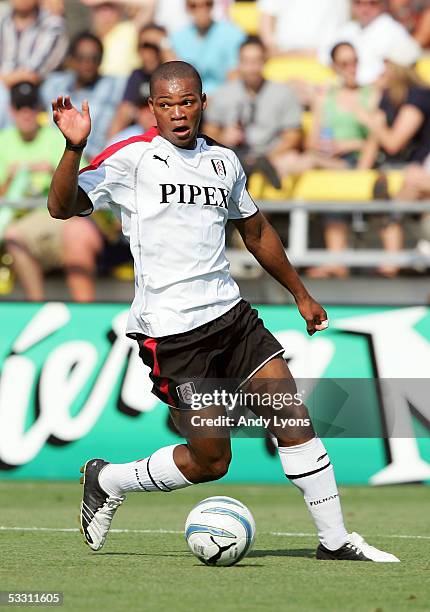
374, 113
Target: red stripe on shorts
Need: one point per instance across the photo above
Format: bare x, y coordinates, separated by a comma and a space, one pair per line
164, 388
151, 345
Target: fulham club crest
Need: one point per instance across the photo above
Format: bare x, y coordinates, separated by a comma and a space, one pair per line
219, 167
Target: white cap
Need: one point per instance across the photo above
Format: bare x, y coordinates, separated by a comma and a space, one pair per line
404, 53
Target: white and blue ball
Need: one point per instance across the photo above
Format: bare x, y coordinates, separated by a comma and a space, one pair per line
220, 531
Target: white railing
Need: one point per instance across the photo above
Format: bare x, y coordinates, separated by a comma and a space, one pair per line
299, 251
301, 254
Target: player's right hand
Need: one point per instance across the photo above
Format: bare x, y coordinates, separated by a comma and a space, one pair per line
74, 125
314, 314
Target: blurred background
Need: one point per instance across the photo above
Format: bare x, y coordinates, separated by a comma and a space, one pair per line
327, 104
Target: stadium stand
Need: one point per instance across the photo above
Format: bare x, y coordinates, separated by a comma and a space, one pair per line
335, 185
302, 198
423, 69
283, 69
246, 16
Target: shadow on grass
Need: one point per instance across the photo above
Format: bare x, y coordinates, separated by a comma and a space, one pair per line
143, 554
220, 567
308, 553
304, 553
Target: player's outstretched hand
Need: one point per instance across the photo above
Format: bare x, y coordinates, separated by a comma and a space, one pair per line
314, 314
75, 125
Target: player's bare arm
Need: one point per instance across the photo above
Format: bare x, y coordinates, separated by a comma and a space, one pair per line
263, 242
65, 199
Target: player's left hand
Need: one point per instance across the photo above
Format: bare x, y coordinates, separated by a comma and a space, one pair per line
314, 314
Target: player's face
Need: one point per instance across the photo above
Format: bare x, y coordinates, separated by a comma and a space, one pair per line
177, 106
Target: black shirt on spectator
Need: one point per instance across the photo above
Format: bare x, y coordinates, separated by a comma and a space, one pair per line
419, 146
137, 86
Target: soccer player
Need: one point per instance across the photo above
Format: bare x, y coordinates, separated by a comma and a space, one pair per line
174, 190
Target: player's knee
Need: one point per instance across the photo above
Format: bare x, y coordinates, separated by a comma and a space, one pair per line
299, 413
220, 467
214, 469
297, 427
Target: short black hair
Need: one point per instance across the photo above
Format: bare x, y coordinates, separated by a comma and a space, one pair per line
342, 43
82, 36
176, 70
253, 40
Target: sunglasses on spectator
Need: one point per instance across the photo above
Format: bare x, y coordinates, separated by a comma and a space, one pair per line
148, 45
105, 5
87, 57
347, 63
196, 5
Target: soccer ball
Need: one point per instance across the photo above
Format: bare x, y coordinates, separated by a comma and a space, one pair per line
220, 531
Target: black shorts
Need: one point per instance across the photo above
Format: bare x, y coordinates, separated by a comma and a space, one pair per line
232, 347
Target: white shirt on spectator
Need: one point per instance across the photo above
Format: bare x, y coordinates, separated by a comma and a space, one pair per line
372, 43
305, 24
173, 15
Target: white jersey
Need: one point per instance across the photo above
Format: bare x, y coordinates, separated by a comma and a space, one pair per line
173, 204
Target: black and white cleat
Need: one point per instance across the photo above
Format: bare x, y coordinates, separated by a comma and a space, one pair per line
356, 549
97, 507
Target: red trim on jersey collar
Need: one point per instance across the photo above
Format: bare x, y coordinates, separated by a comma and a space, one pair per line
97, 161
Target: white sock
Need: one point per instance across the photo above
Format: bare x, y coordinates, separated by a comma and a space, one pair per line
158, 472
308, 467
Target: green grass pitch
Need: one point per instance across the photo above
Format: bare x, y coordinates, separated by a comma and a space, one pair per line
153, 570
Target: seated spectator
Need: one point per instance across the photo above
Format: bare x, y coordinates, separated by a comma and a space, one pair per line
119, 37
29, 154
416, 186
33, 43
373, 32
92, 245
84, 82
338, 136
414, 15
151, 56
336, 141
211, 46
300, 26
259, 119
399, 132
